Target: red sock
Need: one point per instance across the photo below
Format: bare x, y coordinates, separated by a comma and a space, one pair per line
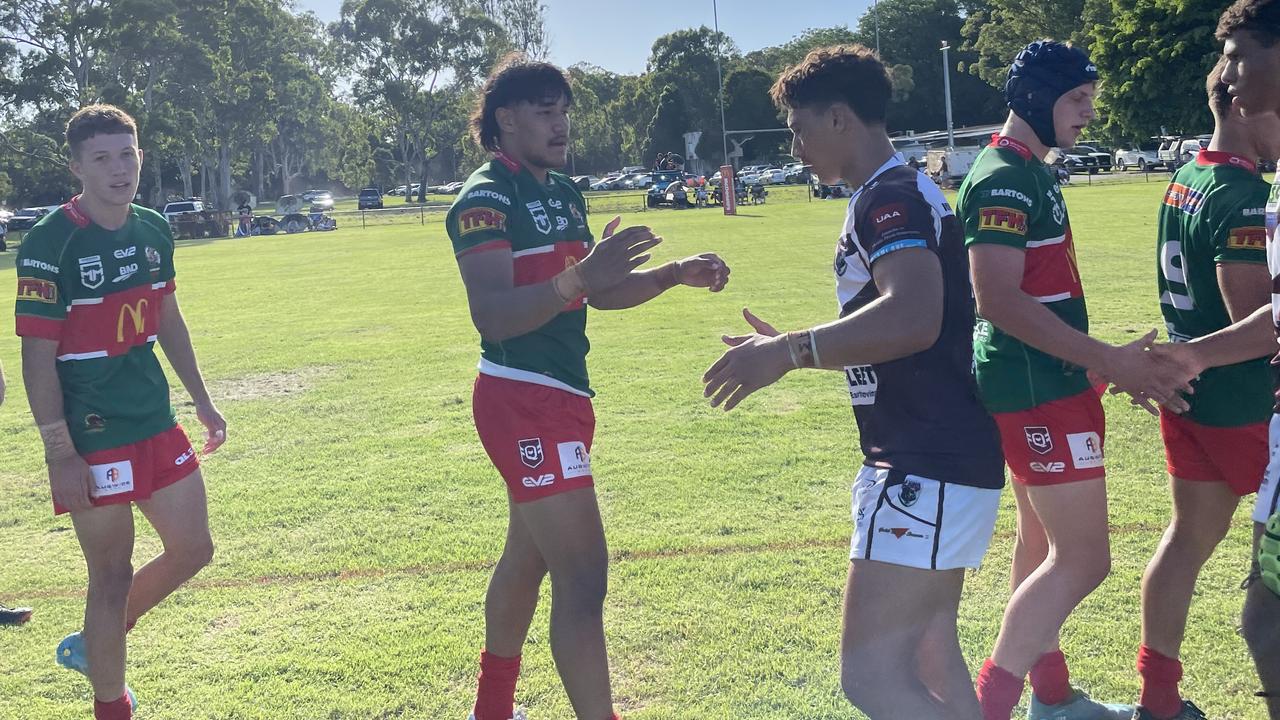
119, 709
1160, 676
496, 691
998, 691
1050, 680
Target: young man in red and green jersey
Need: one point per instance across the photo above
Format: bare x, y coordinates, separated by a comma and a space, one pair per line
1031, 352
531, 266
95, 293
1211, 272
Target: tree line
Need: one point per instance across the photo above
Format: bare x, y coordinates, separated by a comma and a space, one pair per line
249, 95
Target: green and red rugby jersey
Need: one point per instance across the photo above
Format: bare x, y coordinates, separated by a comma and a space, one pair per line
544, 225
98, 293
1012, 198
1213, 212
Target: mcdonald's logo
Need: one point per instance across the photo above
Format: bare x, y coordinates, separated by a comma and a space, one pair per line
135, 312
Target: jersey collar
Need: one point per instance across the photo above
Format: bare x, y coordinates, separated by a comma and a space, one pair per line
1217, 157
75, 214
894, 161
507, 160
1019, 147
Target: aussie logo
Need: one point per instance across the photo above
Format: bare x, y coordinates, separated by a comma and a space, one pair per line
1086, 450
531, 452
480, 218
1003, 219
889, 216
1186, 199
1038, 439
37, 290
91, 273
1010, 193
1247, 238
539, 215
574, 460
475, 194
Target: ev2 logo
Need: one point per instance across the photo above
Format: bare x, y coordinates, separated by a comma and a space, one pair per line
1053, 467
537, 482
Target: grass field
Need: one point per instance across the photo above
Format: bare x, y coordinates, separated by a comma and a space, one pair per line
356, 516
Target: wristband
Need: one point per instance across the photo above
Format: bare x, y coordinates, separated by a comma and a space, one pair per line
813, 346
569, 285
804, 349
795, 361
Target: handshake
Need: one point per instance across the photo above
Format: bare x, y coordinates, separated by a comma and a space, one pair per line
1150, 373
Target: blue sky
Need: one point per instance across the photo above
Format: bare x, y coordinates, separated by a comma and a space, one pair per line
617, 35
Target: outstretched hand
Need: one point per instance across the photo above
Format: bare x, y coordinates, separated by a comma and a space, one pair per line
753, 361
703, 271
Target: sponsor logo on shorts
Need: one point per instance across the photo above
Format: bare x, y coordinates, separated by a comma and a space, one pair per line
37, 290
531, 452
1052, 467
537, 482
909, 493
480, 218
890, 216
111, 478
1038, 439
901, 532
1003, 219
1247, 238
574, 460
1086, 450
190, 453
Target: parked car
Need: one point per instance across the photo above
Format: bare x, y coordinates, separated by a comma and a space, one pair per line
311, 195
1102, 157
639, 182
1143, 157
771, 176
632, 170
1177, 151
26, 218
1079, 162
822, 191
369, 199
658, 194
584, 182
174, 209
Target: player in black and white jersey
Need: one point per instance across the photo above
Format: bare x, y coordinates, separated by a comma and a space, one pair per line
925, 499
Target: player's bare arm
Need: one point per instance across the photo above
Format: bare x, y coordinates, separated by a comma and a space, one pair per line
1245, 288
904, 320
500, 310
69, 476
997, 272
175, 340
705, 270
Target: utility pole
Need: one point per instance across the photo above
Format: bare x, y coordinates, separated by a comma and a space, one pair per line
875, 12
946, 87
724, 139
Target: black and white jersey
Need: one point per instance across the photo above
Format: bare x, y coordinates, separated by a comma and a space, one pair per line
919, 414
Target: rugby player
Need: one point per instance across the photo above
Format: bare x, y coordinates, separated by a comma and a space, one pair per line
1032, 352
1211, 272
925, 499
531, 266
95, 293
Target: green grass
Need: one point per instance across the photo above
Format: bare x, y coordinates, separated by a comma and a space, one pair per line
357, 517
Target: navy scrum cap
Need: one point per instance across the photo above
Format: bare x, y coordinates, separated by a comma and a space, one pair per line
1044, 71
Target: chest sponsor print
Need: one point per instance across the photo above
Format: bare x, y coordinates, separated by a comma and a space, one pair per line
863, 384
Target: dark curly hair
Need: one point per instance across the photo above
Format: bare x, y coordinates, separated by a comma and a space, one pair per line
851, 74
515, 79
1260, 17
97, 120
1218, 91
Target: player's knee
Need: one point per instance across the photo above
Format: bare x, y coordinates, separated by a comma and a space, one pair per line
110, 582
581, 590
863, 679
1196, 540
200, 553
1259, 626
1086, 566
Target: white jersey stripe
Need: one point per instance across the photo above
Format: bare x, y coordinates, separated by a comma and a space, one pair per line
1050, 241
